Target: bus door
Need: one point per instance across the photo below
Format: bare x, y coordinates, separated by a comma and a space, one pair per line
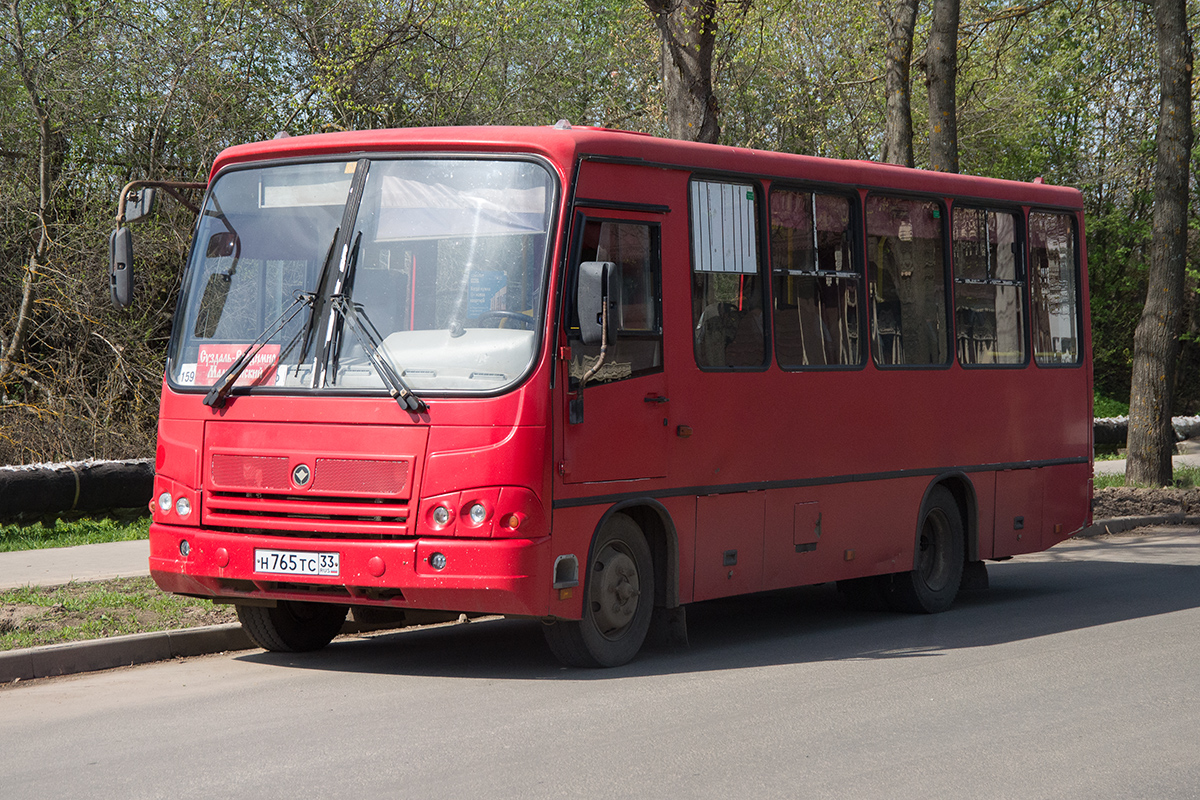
619, 430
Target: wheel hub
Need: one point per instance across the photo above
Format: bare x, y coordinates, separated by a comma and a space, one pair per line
615, 591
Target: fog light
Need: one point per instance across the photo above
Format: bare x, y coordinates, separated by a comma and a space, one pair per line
477, 513
183, 507
184, 548
438, 561
164, 503
441, 515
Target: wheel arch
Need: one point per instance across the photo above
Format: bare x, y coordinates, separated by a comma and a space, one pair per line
963, 491
659, 529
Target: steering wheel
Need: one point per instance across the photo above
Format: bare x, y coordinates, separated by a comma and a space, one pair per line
523, 319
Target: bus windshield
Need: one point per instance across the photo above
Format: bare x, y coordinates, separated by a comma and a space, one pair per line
441, 267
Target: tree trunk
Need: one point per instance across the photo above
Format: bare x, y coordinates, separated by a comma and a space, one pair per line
1156, 339
941, 76
688, 30
901, 18
13, 351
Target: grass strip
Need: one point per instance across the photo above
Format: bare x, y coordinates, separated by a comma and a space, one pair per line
1184, 478
38, 615
70, 532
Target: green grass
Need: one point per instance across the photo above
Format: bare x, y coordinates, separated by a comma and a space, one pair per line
1184, 478
1108, 407
95, 610
67, 533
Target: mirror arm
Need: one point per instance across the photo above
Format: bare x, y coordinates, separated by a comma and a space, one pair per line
587, 376
575, 407
172, 188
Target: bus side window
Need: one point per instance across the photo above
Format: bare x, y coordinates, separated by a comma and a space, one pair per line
907, 282
727, 290
815, 279
1053, 256
989, 287
634, 248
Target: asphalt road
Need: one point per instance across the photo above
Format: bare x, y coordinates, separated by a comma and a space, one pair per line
1075, 676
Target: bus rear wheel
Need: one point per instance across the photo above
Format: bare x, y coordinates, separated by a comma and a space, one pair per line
292, 627
617, 603
931, 587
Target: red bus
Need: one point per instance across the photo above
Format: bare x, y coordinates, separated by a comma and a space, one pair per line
589, 377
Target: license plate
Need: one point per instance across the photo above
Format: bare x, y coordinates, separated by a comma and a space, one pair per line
295, 562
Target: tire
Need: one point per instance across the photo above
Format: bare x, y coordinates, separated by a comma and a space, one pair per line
292, 627
931, 587
618, 601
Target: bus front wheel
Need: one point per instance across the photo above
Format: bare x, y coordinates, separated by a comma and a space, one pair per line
292, 627
617, 603
933, 584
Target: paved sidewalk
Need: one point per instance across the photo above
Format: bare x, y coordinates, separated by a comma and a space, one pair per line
1117, 467
55, 566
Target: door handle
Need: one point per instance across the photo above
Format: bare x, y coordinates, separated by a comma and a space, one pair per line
654, 398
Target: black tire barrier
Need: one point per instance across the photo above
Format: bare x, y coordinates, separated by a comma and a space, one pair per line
77, 486
1113, 430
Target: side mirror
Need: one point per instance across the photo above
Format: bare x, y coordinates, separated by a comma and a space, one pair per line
139, 204
120, 267
597, 281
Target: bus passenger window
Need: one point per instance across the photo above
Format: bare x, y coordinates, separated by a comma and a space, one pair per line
989, 287
816, 281
906, 271
634, 248
1053, 266
727, 303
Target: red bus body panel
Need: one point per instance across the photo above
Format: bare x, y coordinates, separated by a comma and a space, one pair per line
807, 476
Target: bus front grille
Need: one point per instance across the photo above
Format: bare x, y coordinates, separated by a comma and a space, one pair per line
311, 517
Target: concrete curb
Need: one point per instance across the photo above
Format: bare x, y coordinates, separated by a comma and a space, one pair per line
1125, 524
70, 658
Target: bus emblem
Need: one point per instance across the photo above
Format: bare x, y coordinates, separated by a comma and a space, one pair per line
301, 474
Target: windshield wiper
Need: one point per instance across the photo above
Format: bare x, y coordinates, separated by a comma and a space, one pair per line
314, 317
368, 336
217, 395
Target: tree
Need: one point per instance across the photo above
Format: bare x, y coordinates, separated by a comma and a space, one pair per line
688, 30
1156, 340
900, 17
941, 78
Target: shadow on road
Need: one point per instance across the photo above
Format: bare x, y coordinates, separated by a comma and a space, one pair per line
1074, 588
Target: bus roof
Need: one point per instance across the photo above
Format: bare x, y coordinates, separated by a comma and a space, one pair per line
564, 144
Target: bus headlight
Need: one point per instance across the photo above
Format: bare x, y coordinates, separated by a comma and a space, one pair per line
183, 507
164, 503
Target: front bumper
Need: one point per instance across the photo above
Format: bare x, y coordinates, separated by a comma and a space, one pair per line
490, 576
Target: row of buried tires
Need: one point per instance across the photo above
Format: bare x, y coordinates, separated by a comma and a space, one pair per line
619, 591
79, 486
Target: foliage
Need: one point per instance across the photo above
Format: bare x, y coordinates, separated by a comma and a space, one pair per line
95, 93
1105, 406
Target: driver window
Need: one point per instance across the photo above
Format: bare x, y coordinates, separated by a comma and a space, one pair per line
633, 247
